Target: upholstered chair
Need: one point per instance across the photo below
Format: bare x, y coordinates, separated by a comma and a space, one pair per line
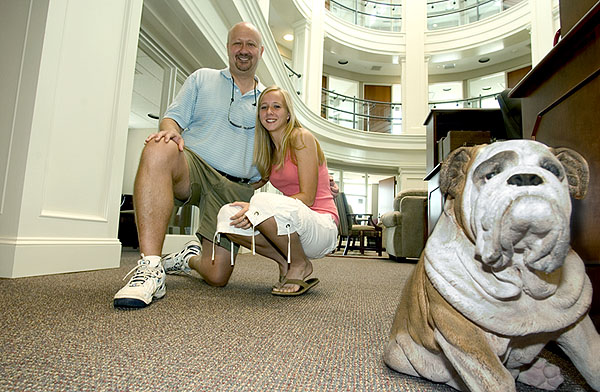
405, 228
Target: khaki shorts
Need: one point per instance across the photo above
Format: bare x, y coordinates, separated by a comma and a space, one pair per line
210, 191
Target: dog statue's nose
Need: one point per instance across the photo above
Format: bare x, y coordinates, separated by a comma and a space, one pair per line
525, 180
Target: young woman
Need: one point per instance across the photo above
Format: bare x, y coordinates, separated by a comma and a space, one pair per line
302, 223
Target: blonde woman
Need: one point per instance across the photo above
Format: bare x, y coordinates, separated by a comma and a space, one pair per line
299, 225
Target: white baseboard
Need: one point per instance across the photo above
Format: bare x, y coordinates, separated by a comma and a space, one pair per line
45, 256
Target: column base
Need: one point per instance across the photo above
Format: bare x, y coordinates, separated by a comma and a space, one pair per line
45, 256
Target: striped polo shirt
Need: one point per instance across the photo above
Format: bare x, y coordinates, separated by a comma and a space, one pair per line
201, 109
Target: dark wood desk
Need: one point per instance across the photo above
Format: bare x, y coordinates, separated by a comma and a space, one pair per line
441, 121
560, 100
438, 123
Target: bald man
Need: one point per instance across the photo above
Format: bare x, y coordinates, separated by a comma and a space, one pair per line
202, 155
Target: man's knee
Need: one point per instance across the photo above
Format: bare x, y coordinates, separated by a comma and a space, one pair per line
159, 154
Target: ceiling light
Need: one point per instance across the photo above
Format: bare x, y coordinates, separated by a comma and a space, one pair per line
342, 61
484, 60
288, 37
486, 88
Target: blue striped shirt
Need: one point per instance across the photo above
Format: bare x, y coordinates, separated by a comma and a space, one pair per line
201, 109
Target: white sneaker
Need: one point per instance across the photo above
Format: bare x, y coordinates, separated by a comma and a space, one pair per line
177, 263
147, 282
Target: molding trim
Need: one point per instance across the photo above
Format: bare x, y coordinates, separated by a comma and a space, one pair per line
33, 256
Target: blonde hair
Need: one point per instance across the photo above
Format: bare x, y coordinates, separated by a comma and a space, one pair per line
264, 148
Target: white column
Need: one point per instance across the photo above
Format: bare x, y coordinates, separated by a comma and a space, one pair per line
415, 97
313, 73
542, 29
68, 70
300, 56
264, 7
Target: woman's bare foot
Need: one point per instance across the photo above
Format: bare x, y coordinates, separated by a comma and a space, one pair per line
297, 270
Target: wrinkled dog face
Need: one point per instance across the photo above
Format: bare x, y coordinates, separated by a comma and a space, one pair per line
512, 199
516, 203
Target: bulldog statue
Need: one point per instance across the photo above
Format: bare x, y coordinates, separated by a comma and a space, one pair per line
498, 279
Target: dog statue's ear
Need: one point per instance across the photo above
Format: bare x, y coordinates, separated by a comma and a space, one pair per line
453, 172
577, 171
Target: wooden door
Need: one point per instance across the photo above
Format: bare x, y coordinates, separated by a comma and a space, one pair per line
381, 94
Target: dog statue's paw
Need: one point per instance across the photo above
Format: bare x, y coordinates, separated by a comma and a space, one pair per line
542, 374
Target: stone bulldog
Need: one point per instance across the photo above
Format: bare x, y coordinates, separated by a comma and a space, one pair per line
498, 279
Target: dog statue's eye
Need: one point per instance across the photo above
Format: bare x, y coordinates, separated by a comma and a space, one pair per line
490, 175
552, 168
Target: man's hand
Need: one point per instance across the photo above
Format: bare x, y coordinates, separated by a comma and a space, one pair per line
167, 136
333, 187
240, 220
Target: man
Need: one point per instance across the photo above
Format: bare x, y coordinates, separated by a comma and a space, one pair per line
213, 116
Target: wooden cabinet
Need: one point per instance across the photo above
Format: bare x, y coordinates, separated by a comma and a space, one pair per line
438, 123
441, 121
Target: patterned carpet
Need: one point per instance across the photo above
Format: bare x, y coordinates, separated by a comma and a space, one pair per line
61, 333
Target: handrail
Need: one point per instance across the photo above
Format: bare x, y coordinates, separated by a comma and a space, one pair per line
359, 116
369, 14
360, 99
389, 22
467, 100
478, 4
294, 73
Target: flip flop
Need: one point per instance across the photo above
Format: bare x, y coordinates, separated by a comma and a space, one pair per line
305, 285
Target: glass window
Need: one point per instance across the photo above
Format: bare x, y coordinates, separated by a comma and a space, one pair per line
445, 95
341, 108
484, 89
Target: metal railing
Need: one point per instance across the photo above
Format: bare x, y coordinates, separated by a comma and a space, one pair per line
482, 101
361, 114
294, 78
372, 14
443, 14
377, 116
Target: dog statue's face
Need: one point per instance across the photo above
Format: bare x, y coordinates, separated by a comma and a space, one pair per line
512, 200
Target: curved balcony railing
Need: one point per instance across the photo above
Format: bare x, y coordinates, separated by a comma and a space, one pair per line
443, 14
361, 114
372, 14
384, 117
482, 101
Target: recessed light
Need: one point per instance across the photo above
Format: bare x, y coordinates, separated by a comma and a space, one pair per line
153, 116
288, 37
486, 88
447, 89
342, 61
484, 60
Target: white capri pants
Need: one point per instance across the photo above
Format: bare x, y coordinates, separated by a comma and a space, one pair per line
317, 232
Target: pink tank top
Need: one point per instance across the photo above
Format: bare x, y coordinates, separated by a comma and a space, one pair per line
286, 180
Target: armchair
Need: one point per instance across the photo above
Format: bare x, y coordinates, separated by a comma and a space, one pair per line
405, 228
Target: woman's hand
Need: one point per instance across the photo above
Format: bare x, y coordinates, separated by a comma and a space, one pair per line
240, 220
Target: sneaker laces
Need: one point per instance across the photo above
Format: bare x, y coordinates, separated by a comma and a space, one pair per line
143, 272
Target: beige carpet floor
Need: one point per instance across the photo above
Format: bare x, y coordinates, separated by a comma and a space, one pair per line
61, 333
